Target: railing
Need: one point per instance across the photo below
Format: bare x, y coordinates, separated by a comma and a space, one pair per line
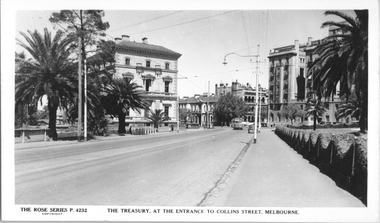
25, 133
284, 49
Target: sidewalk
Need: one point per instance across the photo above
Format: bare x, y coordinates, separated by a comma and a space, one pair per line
274, 175
39, 144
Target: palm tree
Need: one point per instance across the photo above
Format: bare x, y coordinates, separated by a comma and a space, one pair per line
343, 58
50, 72
157, 116
120, 96
314, 107
350, 108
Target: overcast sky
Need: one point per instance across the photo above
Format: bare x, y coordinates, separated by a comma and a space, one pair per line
204, 37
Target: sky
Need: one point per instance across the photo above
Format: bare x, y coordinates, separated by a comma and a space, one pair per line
204, 36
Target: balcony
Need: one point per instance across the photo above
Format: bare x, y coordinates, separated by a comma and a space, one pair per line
160, 95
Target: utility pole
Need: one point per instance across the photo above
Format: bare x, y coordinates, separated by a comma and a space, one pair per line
257, 92
259, 108
85, 100
79, 87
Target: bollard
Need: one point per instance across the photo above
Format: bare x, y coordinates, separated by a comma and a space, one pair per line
45, 135
23, 136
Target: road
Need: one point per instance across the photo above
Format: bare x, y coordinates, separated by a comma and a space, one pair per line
172, 169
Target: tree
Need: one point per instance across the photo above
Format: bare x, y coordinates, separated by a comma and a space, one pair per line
157, 117
343, 58
87, 24
229, 107
351, 109
185, 114
291, 111
314, 107
120, 96
49, 72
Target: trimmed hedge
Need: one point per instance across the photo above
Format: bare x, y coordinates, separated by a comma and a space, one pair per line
343, 157
326, 126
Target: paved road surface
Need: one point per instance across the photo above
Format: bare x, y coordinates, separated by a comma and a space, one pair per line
162, 169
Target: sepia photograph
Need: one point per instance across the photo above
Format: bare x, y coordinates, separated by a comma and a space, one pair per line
201, 111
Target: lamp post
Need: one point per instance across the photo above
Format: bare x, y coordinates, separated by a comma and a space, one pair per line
257, 82
259, 107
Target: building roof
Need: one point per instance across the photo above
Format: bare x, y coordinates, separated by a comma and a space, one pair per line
198, 99
132, 47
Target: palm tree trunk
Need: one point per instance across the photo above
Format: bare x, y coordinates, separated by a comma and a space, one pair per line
53, 121
315, 120
121, 129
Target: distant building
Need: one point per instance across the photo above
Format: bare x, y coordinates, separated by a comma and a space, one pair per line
248, 94
201, 107
153, 67
289, 82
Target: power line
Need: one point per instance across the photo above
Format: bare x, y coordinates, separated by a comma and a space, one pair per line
179, 24
191, 82
139, 23
217, 73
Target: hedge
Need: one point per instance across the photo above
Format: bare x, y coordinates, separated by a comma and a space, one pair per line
343, 157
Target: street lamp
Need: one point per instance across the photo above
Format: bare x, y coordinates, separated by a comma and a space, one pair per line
257, 82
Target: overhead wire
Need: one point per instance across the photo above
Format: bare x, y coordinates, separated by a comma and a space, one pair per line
179, 24
139, 23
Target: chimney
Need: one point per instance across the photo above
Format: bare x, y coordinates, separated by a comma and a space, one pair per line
125, 37
296, 45
309, 41
145, 40
117, 40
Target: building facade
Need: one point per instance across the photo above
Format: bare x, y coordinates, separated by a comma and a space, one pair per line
248, 94
201, 108
153, 67
289, 81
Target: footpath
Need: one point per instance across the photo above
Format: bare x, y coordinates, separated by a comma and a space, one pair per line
39, 144
272, 174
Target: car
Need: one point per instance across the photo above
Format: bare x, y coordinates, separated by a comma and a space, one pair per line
251, 128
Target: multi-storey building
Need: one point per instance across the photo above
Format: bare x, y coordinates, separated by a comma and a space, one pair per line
289, 81
201, 108
248, 94
153, 67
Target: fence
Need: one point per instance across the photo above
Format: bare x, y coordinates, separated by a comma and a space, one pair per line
26, 134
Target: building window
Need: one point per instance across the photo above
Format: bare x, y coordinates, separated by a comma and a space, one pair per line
167, 86
127, 61
148, 83
166, 111
147, 63
167, 66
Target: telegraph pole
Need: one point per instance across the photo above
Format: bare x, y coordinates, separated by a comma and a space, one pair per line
257, 92
79, 87
85, 100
